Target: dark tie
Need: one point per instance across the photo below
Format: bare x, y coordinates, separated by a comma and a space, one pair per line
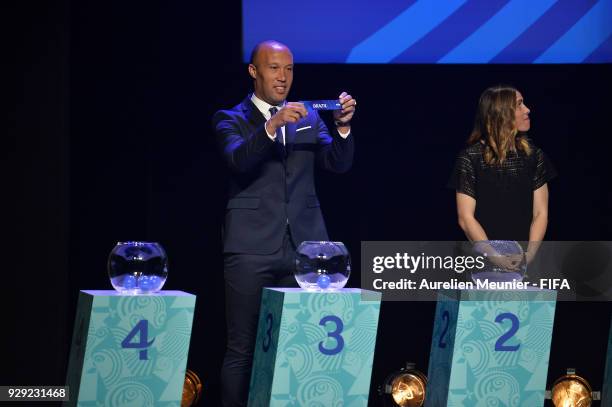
279, 132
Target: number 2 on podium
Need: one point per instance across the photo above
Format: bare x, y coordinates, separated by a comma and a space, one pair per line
500, 344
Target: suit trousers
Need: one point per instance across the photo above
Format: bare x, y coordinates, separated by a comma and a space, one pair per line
245, 276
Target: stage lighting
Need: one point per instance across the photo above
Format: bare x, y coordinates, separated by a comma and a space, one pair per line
405, 387
192, 388
571, 390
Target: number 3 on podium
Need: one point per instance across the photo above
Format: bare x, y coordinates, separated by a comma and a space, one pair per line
329, 320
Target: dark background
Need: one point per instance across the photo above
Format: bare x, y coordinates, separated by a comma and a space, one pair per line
108, 138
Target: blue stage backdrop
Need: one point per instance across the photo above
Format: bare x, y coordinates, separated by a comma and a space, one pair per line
434, 31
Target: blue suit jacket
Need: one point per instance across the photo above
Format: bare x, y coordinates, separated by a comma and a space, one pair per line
269, 187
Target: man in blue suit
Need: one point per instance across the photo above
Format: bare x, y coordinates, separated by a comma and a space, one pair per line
271, 147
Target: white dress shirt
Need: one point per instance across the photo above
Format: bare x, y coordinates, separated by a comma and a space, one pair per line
264, 108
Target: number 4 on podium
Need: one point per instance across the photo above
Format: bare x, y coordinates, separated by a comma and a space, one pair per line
142, 330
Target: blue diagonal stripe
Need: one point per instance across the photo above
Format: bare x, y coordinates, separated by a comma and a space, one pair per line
403, 31
583, 38
446, 36
498, 32
545, 32
602, 54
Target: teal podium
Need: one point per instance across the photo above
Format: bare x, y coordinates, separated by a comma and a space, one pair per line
314, 348
490, 348
130, 350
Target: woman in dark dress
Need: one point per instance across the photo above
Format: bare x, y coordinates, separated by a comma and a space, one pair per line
501, 178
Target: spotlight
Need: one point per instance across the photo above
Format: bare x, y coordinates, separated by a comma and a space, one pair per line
192, 389
404, 388
571, 390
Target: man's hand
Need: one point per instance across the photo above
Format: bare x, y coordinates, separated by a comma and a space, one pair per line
344, 116
290, 113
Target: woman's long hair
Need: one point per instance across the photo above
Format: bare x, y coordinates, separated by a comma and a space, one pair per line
495, 125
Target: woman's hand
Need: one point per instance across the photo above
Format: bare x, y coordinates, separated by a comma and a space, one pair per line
508, 262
